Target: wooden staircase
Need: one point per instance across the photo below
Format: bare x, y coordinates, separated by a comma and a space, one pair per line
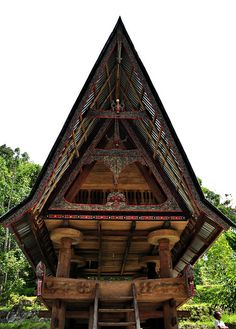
117, 311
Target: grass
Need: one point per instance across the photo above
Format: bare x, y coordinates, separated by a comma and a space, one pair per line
26, 324
229, 319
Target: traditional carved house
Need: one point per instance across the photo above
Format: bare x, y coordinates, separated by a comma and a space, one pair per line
117, 217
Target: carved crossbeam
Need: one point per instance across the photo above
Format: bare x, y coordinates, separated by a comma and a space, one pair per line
134, 115
157, 290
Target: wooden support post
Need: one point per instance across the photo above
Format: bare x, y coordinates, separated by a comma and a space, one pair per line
58, 315
165, 239
64, 258
63, 270
64, 237
170, 314
165, 258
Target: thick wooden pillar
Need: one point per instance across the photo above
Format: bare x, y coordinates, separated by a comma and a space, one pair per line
164, 239
170, 314
65, 237
165, 258
58, 315
63, 271
64, 258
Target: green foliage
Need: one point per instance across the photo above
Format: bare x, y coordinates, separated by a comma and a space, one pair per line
208, 294
217, 268
17, 176
26, 324
202, 307
196, 325
218, 265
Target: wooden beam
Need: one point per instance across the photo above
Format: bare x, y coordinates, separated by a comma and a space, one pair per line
177, 180
70, 196
127, 98
134, 115
157, 143
101, 90
119, 59
94, 92
144, 314
52, 183
144, 154
42, 240
169, 153
134, 89
75, 144
128, 245
109, 83
99, 229
26, 251
108, 96
130, 77
157, 192
76, 290
89, 150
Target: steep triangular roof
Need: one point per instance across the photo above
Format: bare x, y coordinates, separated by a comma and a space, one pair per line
119, 102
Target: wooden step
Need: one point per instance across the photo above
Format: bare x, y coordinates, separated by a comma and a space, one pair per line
115, 310
115, 324
116, 299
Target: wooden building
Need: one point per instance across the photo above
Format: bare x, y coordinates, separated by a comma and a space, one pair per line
116, 218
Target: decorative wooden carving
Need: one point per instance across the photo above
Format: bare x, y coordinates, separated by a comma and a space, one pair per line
62, 204
40, 274
170, 234
147, 290
117, 217
60, 233
65, 288
189, 278
161, 289
116, 200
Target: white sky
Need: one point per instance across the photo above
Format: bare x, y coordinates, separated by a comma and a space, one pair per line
49, 47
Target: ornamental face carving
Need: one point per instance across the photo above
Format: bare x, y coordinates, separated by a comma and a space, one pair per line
84, 288
116, 200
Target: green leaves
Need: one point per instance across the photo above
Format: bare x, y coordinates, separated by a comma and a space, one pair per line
218, 265
17, 176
